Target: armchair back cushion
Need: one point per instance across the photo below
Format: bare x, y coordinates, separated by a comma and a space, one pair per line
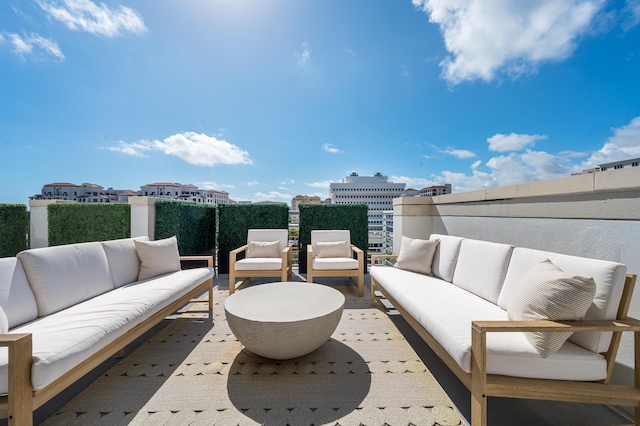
327, 236
446, 256
281, 235
16, 298
63, 276
123, 259
609, 278
481, 268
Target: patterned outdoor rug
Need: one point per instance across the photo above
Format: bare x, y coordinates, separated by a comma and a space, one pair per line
196, 372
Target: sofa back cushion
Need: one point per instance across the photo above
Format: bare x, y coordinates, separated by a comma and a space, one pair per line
609, 278
16, 298
446, 256
123, 260
481, 268
64, 276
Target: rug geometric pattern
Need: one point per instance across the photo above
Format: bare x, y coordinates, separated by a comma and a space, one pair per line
195, 372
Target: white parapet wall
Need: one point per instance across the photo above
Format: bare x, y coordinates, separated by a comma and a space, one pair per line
39, 221
592, 215
143, 216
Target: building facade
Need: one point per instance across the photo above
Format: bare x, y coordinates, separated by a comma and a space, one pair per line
433, 191
188, 192
84, 193
632, 162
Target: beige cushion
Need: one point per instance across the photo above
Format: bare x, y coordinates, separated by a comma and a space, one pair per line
416, 255
4, 322
157, 257
269, 249
327, 249
547, 292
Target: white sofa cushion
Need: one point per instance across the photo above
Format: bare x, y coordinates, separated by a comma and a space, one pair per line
64, 276
549, 293
123, 259
416, 255
327, 249
259, 264
481, 267
446, 312
62, 340
157, 257
609, 278
334, 263
16, 297
446, 256
256, 249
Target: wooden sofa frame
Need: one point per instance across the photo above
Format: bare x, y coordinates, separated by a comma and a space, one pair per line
483, 385
285, 272
339, 272
18, 406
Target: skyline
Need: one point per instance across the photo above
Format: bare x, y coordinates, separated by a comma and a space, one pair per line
269, 100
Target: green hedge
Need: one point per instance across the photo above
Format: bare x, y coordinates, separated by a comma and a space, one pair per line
234, 220
333, 216
193, 224
80, 223
14, 227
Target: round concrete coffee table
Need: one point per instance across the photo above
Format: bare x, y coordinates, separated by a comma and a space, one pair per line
284, 320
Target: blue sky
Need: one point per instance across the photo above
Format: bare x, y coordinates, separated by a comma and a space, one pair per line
270, 99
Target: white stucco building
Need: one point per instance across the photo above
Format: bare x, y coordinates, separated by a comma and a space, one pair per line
84, 193
188, 192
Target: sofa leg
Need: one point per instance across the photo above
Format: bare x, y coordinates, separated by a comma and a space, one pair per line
20, 410
478, 377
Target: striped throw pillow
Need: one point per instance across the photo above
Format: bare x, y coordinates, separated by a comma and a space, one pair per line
548, 293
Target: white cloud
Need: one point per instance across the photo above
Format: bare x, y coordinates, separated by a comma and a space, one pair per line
459, 153
320, 184
475, 164
272, 196
194, 148
485, 38
215, 185
304, 58
253, 183
413, 182
1, 39
85, 15
512, 142
33, 45
283, 188
327, 147
624, 144
349, 51
631, 13
404, 72
288, 182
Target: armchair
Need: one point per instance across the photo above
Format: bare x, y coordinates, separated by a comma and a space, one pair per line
267, 254
330, 254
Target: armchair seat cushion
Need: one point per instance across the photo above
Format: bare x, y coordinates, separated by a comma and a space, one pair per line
334, 263
259, 264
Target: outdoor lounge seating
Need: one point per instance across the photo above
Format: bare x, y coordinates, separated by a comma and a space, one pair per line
462, 312
69, 308
267, 254
331, 254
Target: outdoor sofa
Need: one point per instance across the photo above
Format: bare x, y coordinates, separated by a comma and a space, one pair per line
69, 308
460, 303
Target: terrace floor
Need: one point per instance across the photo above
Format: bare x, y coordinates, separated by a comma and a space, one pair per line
502, 411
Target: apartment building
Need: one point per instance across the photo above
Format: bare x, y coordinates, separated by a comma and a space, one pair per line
432, 191
188, 192
84, 193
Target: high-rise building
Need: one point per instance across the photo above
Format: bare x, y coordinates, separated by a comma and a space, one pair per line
375, 191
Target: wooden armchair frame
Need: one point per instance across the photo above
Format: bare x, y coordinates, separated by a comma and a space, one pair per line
483, 385
351, 273
22, 400
285, 272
